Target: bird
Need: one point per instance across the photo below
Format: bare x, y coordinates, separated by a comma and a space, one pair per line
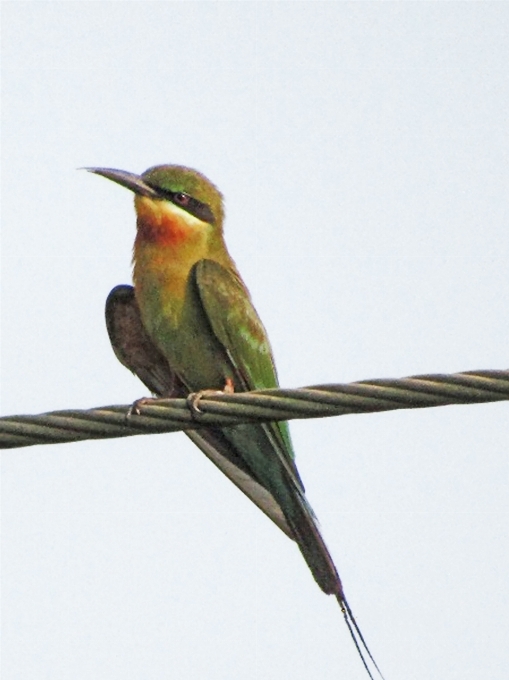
188, 326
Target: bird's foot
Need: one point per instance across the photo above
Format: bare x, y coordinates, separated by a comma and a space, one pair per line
194, 398
135, 407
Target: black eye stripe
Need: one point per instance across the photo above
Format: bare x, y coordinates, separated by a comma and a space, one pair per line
188, 203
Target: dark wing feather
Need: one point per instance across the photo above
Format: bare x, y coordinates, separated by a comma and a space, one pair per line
133, 347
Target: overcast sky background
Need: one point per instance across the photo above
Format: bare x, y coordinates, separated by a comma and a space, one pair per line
363, 152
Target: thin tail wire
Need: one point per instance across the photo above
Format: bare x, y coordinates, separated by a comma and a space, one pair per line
357, 637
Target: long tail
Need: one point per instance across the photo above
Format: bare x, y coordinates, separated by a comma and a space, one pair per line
357, 636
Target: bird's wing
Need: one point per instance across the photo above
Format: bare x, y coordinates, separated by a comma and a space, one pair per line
133, 347
135, 350
266, 447
237, 326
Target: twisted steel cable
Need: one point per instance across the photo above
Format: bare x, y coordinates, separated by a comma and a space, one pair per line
320, 401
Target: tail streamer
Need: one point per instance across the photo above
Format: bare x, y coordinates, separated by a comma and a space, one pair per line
357, 637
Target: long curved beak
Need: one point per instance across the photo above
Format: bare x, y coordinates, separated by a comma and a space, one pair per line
126, 179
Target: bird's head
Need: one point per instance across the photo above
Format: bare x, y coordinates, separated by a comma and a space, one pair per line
174, 204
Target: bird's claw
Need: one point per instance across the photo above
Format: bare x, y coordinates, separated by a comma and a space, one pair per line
134, 409
194, 398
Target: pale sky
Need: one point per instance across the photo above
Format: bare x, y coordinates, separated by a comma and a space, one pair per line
362, 149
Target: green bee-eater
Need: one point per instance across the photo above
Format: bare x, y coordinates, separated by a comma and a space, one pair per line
189, 325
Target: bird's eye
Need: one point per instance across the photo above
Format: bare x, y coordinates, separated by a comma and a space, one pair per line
181, 199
